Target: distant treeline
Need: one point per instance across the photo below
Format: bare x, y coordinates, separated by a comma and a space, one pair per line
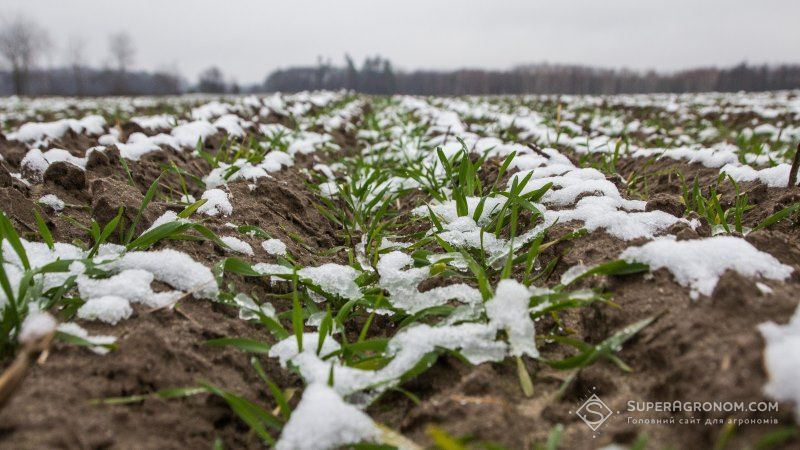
87, 81
376, 76
24, 43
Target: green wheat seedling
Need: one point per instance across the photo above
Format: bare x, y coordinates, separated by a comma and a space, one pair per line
726, 220
30, 292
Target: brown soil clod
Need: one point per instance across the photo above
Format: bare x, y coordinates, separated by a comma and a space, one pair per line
109, 195
668, 203
6, 179
66, 175
734, 291
14, 375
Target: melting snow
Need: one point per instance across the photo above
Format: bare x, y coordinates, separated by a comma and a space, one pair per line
608, 213
335, 279
475, 341
36, 325
189, 134
237, 245
175, 268
322, 421
777, 176
36, 131
699, 263
401, 283
274, 247
132, 284
509, 311
161, 121
36, 162
52, 201
782, 360
167, 217
109, 309
216, 203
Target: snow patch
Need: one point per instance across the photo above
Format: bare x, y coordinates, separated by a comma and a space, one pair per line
274, 247
698, 264
216, 203
782, 361
237, 245
109, 309
323, 421
52, 201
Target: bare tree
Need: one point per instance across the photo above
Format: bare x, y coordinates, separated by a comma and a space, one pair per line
120, 46
76, 61
22, 43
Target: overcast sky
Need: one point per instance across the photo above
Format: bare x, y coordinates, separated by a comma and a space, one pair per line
249, 38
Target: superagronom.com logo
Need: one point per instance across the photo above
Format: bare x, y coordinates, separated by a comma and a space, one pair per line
594, 412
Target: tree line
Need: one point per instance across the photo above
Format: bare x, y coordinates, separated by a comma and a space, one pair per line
23, 44
376, 76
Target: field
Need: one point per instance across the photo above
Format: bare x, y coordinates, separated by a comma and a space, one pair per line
325, 269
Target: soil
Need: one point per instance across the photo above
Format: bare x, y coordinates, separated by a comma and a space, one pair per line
698, 350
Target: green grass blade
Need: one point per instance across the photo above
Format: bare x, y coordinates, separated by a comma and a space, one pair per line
44, 231
245, 345
151, 191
